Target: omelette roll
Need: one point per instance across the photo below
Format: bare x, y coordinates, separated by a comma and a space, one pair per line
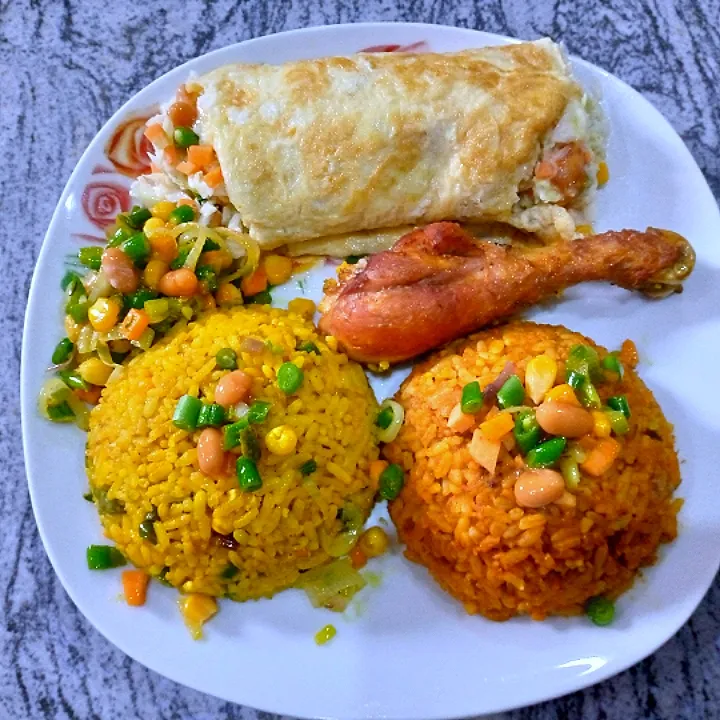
345, 150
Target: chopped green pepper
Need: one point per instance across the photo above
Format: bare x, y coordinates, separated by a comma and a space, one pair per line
512, 393
73, 379
207, 277
619, 402
119, 237
308, 468
212, 415
527, 431
258, 412
61, 412
232, 433
138, 298
384, 418
91, 257
247, 474
472, 398
226, 359
584, 360
79, 311
229, 572
70, 281
546, 454
147, 527
618, 422
309, 347
391, 482
104, 557
587, 393
600, 610
137, 248
249, 444
186, 413
261, 298
63, 351
182, 256
570, 472
182, 214
138, 216
612, 363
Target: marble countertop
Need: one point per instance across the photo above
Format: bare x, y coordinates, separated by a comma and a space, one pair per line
66, 67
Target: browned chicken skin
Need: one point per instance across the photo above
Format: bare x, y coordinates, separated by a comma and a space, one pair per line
438, 283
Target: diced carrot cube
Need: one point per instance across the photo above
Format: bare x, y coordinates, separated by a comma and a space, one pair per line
601, 457
214, 177
255, 283
201, 155
186, 167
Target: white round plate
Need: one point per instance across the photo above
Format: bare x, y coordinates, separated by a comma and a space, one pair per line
407, 650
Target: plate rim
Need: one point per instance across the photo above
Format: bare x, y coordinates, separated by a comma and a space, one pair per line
561, 686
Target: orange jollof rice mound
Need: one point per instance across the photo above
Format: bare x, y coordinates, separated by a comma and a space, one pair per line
464, 525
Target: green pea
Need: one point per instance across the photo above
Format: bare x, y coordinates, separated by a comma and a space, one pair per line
229, 572
226, 359
289, 377
472, 398
185, 137
182, 214
138, 216
546, 454
247, 474
600, 610
391, 482
63, 351
91, 257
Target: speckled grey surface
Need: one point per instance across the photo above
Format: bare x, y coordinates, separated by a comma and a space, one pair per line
65, 68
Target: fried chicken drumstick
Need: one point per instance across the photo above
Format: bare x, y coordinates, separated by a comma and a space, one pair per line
438, 283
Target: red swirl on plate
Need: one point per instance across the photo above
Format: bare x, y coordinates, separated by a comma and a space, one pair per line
128, 147
420, 46
102, 200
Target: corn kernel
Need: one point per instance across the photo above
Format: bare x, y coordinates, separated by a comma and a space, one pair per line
281, 440
562, 394
601, 424
302, 306
94, 371
228, 294
103, 314
196, 610
278, 269
154, 270
540, 377
162, 210
153, 223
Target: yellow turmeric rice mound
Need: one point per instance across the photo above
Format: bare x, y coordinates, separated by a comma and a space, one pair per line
207, 535
464, 524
